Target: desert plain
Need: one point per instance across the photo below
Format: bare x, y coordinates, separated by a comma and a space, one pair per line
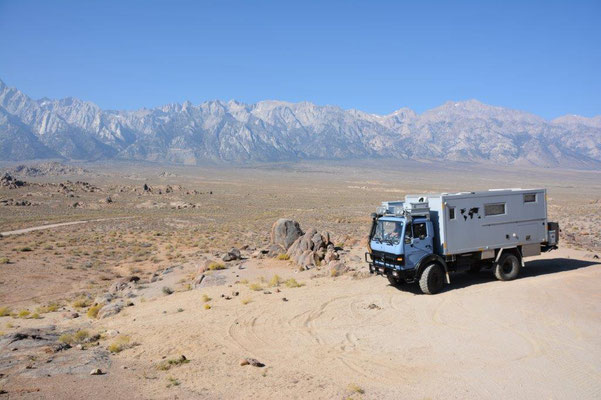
113, 284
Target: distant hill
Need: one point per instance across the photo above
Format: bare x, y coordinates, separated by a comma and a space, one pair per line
467, 131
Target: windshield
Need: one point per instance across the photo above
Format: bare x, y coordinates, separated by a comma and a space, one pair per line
388, 232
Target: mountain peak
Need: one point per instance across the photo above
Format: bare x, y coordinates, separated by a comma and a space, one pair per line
274, 130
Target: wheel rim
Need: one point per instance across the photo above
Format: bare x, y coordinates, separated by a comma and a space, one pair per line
507, 266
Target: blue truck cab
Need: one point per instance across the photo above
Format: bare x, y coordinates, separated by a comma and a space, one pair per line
399, 245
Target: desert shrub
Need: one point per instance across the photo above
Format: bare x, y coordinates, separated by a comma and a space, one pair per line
292, 283
245, 301
81, 302
120, 343
283, 257
81, 335
4, 260
66, 338
172, 382
255, 286
50, 307
93, 311
165, 365
25, 249
244, 281
275, 281
205, 298
167, 290
207, 306
23, 314
4, 311
355, 388
216, 266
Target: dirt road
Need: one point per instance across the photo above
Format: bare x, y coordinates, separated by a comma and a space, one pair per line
58, 225
536, 337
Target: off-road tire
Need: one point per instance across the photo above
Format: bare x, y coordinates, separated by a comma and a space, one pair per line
508, 267
432, 279
393, 280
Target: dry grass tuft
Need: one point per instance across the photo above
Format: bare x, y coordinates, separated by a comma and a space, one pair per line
283, 257
355, 388
93, 311
275, 281
120, 343
216, 266
292, 283
167, 364
81, 302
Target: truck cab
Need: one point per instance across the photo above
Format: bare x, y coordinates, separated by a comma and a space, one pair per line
398, 245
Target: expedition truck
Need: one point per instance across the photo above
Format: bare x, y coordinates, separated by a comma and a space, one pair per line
426, 237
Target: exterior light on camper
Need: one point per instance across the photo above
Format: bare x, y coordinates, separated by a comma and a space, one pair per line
399, 259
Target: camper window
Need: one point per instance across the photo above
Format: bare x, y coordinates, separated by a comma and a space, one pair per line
451, 212
494, 209
530, 198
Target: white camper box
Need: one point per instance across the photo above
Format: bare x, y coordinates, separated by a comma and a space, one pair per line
484, 221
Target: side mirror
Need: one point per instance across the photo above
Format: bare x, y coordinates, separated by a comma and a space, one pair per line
422, 237
408, 240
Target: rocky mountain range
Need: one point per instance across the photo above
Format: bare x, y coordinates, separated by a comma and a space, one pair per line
234, 132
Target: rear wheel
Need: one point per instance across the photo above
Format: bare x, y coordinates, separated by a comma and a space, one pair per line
432, 279
508, 267
393, 280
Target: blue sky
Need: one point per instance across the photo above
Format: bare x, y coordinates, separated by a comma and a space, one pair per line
543, 57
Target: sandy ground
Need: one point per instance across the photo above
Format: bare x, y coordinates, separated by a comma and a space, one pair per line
536, 337
351, 336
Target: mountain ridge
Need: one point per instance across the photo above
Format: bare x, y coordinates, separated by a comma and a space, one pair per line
273, 130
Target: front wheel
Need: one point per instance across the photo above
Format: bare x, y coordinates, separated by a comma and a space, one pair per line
432, 279
393, 280
508, 267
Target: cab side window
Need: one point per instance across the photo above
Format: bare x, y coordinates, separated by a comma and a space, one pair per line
408, 233
419, 230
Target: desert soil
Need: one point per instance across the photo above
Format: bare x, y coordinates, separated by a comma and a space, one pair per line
347, 336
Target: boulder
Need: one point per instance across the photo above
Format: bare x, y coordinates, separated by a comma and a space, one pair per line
284, 232
313, 249
110, 310
337, 268
233, 254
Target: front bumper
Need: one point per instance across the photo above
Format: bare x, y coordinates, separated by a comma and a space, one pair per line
386, 264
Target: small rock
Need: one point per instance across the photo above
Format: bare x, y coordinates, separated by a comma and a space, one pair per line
284, 299
373, 306
266, 292
251, 361
96, 371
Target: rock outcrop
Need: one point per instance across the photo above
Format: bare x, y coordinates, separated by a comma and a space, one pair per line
9, 182
313, 249
284, 233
